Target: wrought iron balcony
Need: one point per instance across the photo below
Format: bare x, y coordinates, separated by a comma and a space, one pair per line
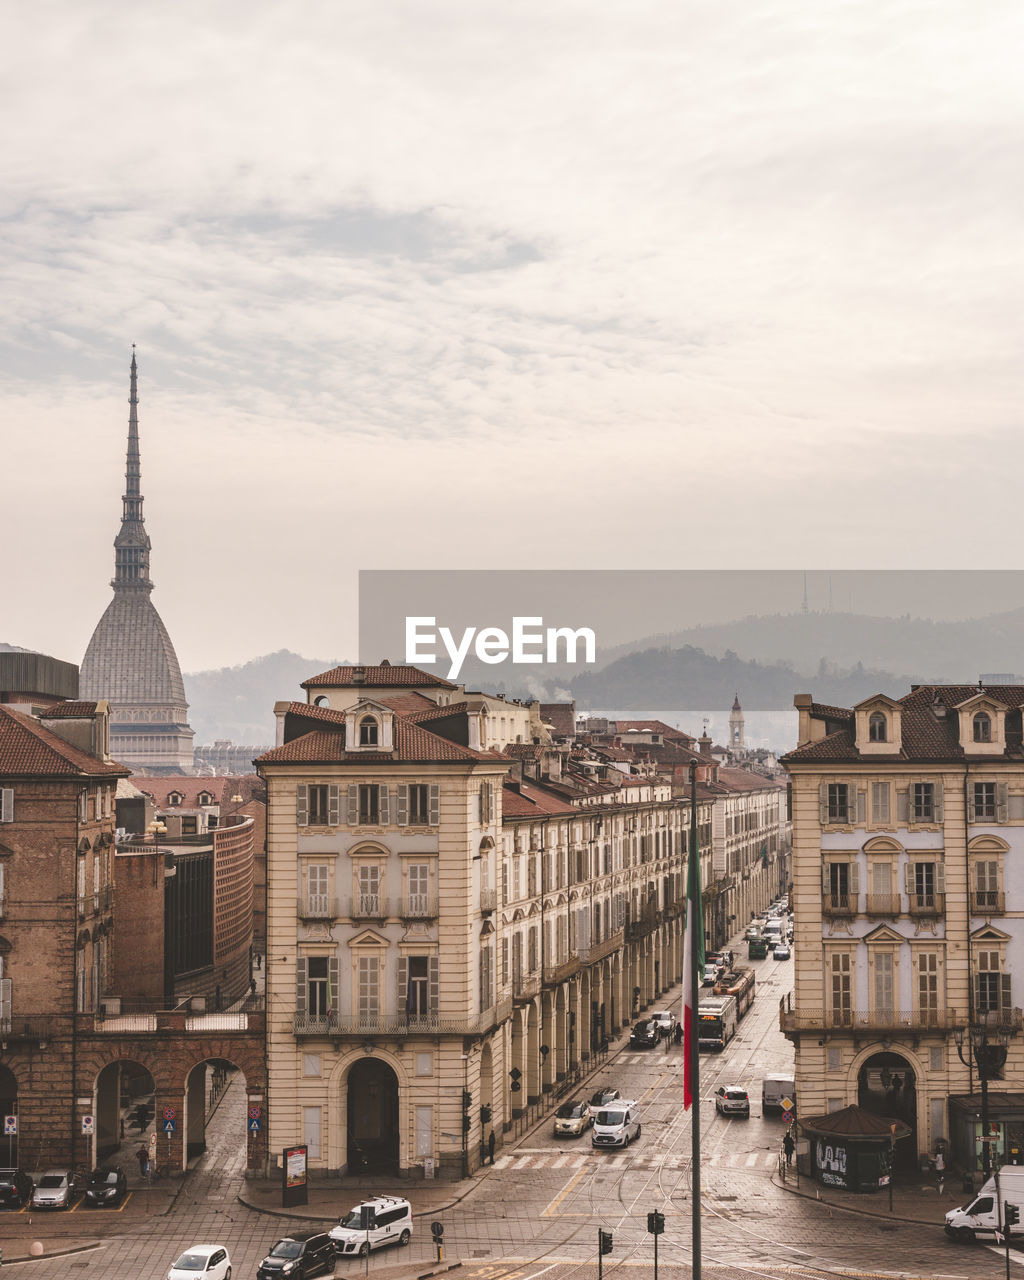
369, 906
367, 1025
839, 904
644, 924
883, 1022
556, 973
927, 904
419, 906
488, 901
599, 950
525, 985
882, 904
987, 902
318, 906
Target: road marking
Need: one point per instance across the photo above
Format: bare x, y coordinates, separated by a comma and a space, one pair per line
561, 1162
752, 1159
552, 1210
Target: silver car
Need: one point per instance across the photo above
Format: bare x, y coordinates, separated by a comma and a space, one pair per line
54, 1190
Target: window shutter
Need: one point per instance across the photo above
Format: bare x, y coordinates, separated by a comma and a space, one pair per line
977, 994
904, 805
857, 803
854, 879
353, 805
300, 985
1005, 992
481, 806
433, 975
435, 804
908, 878
824, 877
332, 978
940, 876
403, 804
937, 802
823, 803
302, 804
971, 816
403, 985
385, 813
7, 804
492, 802
333, 805
1002, 802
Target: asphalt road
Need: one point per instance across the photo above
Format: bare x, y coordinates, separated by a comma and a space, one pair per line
538, 1212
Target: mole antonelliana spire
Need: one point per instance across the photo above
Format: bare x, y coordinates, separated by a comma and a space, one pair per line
130, 660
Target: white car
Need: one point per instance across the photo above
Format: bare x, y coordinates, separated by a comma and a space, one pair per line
390, 1222
615, 1125
666, 1021
202, 1262
54, 1190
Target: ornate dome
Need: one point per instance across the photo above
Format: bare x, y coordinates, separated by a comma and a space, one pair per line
130, 658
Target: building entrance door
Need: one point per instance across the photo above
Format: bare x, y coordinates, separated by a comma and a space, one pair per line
372, 1118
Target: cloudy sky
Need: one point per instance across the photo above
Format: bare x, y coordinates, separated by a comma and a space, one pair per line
552, 283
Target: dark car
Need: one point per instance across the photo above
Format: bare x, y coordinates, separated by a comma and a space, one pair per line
107, 1187
15, 1188
303, 1253
604, 1096
645, 1034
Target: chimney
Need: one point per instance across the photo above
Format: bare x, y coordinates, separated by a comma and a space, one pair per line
359, 675
802, 702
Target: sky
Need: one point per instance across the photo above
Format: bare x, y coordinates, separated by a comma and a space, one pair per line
549, 284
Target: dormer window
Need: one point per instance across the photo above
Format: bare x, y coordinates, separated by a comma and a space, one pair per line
205, 797
368, 734
877, 727
175, 798
982, 727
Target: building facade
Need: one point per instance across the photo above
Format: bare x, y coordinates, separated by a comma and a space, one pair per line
908, 834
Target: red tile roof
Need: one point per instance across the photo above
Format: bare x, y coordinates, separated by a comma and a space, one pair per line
523, 750
561, 716
327, 746
384, 676
743, 780
28, 749
69, 710
653, 726
526, 801
222, 787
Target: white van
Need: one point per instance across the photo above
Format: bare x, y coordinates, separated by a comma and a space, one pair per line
390, 1221
615, 1125
773, 930
982, 1218
774, 1087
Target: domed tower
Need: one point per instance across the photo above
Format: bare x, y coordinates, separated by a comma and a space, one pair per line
130, 660
736, 742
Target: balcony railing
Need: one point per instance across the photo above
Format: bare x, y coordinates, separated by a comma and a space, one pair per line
839, 904
318, 906
488, 900
882, 904
420, 906
877, 1021
599, 950
644, 924
101, 900
556, 973
525, 985
397, 1024
369, 906
987, 902
927, 904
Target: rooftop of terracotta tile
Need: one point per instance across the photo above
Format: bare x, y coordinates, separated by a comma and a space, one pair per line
28, 749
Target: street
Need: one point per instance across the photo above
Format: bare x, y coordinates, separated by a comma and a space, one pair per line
539, 1209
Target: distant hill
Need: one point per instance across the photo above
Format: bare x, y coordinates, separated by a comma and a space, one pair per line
238, 702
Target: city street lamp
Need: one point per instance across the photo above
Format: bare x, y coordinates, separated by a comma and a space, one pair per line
987, 1045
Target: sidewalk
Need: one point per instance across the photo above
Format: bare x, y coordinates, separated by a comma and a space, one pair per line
914, 1199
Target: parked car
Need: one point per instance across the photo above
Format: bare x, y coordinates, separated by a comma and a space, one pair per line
303, 1253
209, 1261
645, 1034
603, 1096
54, 1190
106, 1187
15, 1188
782, 951
390, 1223
666, 1021
711, 972
732, 1100
616, 1125
572, 1118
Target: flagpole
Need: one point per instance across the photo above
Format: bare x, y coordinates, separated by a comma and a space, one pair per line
693, 903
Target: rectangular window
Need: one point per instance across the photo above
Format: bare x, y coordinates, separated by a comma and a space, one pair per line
985, 800
424, 1064
839, 807
924, 802
369, 890
189, 825
842, 991
6, 804
988, 983
928, 987
835, 1060
311, 1131
369, 806
879, 802
369, 986
317, 986
417, 1003
424, 1132
311, 1064
986, 886
486, 998
883, 987
419, 805
419, 888
318, 901
318, 806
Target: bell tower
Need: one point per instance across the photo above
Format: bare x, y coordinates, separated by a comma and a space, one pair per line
736, 739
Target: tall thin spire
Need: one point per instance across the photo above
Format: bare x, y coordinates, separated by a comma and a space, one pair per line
132, 545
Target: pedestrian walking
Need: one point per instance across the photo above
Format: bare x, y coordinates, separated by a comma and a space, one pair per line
252, 987
142, 1155
677, 1035
668, 1041
897, 1085
788, 1147
259, 959
490, 1146
939, 1164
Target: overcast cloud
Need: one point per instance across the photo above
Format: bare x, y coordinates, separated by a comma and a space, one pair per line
544, 283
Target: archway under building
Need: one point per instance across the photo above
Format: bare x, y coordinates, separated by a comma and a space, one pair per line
887, 1086
372, 1090
123, 1108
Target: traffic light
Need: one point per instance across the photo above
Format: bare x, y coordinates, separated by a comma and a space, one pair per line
485, 1114
656, 1223
437, 1230
1011, 1214
604, 1241
467, 1102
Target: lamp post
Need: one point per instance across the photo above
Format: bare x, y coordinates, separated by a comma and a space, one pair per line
987, 1045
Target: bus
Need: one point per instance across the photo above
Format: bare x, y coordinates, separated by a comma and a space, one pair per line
738, 983
716, 1022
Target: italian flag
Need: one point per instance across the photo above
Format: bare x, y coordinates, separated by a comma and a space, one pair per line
691, 980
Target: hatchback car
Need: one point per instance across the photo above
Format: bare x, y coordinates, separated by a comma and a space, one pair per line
711, 972
782, 951
731, 1100
107, 1187
303, 1253
54, 1190
15, 1188
603, 1096
201, 1262
572, 1118
390, 1223
645, 1035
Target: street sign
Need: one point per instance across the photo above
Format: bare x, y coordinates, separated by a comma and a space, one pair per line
255, 1124
254, 1113
88, 1124
515, 1073
788, 1104
152, 1145
788, 1117
10, 1126
170, 1113
514, 1087
169, 1127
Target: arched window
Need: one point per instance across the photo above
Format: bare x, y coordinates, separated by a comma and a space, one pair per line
982, 727
368, 732
876, 727
320, 700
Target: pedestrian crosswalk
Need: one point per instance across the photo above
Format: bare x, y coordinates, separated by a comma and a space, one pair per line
552, 1158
